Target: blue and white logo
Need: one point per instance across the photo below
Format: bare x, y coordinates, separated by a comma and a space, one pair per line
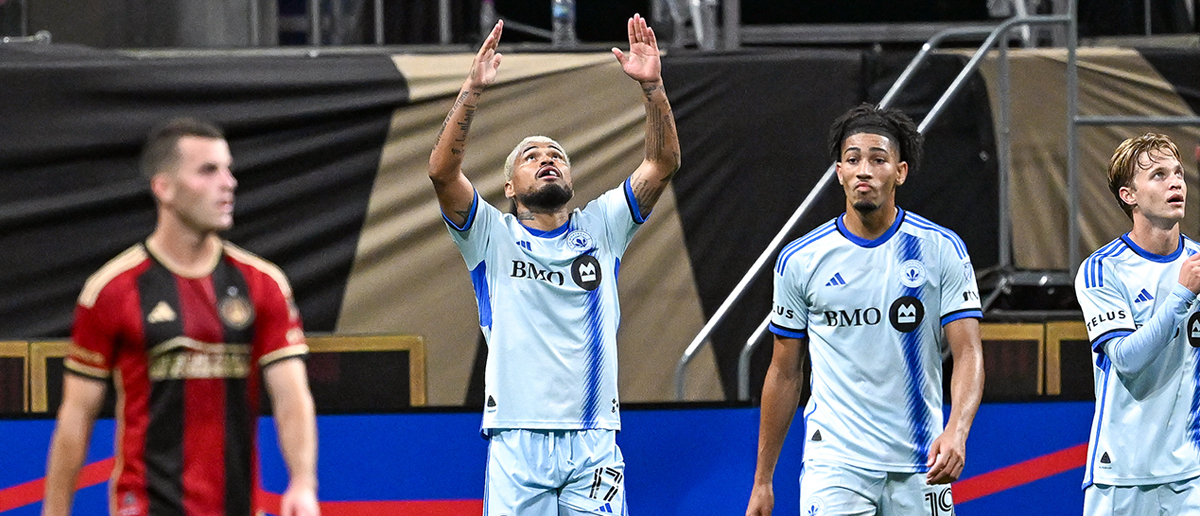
1143, 296
912, 273
836, 280
813, 506
579, 240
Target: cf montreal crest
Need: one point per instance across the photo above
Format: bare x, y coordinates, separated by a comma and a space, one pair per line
906, 314
585, 270
579, 240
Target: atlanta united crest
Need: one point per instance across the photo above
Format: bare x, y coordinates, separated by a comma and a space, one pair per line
236, 311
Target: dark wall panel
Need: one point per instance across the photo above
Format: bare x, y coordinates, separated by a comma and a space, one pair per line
305, 135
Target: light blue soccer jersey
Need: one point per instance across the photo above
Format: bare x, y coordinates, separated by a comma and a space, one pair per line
1146, 427
549, 311
873, 312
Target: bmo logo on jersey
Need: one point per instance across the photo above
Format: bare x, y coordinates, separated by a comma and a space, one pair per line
585, 270
906, 314
859, 317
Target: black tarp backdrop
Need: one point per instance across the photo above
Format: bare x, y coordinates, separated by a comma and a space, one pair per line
305, 135
760, 140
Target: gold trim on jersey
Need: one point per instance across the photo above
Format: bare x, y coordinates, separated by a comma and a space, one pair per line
188, 272
282, 353
184, 358
85, 354
95, 283
262, 265
85, 369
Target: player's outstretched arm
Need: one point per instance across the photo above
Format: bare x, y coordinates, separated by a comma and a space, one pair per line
780, 396
295, 420
948, 454
82, 399
454, 191
644, 65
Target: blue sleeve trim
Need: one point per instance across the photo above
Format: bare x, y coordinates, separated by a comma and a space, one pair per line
973, 313
634, 209
787, 332
470, 218
1107, 336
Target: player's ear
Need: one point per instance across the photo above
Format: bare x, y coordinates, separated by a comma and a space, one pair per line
1127, 196
901, 172
509, 191
162, 186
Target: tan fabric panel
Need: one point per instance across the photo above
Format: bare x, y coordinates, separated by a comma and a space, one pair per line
409, 278
432, 76
1117, 82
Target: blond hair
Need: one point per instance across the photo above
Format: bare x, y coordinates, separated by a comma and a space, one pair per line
1124, 163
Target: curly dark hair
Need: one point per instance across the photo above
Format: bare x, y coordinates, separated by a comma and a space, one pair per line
868, 118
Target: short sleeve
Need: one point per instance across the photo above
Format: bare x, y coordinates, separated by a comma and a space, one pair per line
94, 337
1107, 313
960, 294
789, 314
278, 332
622, 217
472, 238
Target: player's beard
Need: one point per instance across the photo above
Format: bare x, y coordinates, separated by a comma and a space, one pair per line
865, 207
547, 199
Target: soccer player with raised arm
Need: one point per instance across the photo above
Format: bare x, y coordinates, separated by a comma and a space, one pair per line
1138, 296
875, 297
546, 285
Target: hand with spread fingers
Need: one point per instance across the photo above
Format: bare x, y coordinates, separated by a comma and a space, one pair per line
642, 63
487, 61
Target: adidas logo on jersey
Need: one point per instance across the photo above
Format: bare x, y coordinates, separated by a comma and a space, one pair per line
816, 436
605, 509
161, 313
836, 280
1143, 296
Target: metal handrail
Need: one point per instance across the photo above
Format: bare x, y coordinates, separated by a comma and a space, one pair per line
938, 108
740, 289
993, 34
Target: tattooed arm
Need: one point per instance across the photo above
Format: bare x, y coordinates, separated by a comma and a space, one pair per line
454, 191
662, 142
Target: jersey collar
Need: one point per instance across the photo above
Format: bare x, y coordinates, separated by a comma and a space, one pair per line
1159, 258
558, 231
862, 242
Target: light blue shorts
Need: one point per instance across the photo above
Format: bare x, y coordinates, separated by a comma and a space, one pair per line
835, 489
1182, 497
554, 473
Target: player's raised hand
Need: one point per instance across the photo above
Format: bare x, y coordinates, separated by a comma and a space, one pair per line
487, 61
642, 63
947, 457
762, 500
1189, 273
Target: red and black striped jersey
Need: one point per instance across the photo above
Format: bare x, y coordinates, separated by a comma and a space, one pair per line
185, 355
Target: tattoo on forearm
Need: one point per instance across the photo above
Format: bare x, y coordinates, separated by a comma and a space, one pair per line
457, 103
647, 195
655, 133
649, 89
465, 125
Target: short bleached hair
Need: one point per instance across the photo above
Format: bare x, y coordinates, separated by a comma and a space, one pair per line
511, 162
1123, 165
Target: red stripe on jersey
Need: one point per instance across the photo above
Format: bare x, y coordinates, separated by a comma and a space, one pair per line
204, 407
